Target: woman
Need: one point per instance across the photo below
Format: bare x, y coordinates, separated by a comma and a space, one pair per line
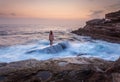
51, 37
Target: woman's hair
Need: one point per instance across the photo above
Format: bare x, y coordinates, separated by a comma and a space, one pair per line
51, 32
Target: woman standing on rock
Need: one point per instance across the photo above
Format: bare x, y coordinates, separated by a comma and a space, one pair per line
51, 37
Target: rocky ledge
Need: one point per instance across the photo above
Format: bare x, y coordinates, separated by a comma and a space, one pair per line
75, 69
106, 29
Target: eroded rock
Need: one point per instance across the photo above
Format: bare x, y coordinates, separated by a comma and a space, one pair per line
106, 29
44, 75
3, 64
114, 16
2, 78
75, 69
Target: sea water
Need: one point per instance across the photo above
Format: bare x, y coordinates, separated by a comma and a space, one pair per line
17, 39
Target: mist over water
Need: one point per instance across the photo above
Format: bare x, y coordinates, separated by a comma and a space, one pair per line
11, 34
17, 39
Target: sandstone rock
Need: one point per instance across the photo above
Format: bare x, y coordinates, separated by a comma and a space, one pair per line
80, 74
62, 64
102, 28
114, 67
74, 69
116, 77
95, 22
2, 78
44, 75
99, 77
113, 72
20, 65
114, 16
3, 64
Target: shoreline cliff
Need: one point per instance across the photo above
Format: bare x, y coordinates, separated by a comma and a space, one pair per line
107, 29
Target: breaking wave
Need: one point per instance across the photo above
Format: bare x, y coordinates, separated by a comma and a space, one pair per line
41, 50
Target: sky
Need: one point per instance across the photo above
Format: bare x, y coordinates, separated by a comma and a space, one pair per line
57, 9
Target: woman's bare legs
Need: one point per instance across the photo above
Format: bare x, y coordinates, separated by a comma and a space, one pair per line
51, 42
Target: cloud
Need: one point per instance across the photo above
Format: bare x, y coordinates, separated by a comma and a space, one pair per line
2, 14
12, 14
7, 14
96, 13
91, 0
115, 6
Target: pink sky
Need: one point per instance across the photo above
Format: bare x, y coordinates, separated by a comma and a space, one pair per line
57, 9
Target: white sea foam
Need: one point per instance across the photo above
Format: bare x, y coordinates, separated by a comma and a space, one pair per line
32, 35
95, 48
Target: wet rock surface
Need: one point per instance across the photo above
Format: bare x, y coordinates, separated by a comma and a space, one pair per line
75, 69
44, 75
2, 78
51, 49
3, 64
106, 29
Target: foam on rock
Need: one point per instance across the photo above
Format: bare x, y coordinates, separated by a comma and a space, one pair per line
51, 49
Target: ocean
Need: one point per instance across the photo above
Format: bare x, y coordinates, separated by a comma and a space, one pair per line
17, 39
